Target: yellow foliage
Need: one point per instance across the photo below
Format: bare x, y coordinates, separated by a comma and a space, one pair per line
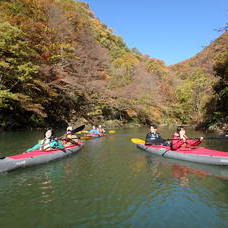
156, 66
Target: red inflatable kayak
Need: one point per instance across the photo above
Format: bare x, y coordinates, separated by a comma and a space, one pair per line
200, 154
36, 157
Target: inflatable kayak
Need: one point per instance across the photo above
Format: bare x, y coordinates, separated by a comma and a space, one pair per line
36, 157
91, 136
199, 155
94, 135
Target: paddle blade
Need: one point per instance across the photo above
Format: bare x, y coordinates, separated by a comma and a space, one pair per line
86, 137
137, 141
111, 132
78, 129
82, 132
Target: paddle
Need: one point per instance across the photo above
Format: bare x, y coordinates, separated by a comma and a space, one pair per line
137, 141
82, 132
110, 132
78, 129
86, 137
140, 141
225, 137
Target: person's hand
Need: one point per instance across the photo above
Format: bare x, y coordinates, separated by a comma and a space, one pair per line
182, 136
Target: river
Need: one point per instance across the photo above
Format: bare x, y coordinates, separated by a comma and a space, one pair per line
111, 183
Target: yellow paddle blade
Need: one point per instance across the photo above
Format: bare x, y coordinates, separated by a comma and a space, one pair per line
81, 132
111, 132
84, 131
86, 137
137, 141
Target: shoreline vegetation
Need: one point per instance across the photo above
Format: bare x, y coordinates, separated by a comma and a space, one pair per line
61, 65
118, 125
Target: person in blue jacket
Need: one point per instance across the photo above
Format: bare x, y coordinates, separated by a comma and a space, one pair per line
48, 143
94, 131
154, 138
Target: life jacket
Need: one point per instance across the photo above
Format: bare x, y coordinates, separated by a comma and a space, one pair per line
153, 139
70, 139
45, 144
94, 131
178, 143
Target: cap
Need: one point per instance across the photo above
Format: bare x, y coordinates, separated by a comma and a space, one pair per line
69, 128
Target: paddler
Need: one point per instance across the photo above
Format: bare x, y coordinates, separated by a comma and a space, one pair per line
69, 138
48, 143
154, 138
180, 140
94, 130
101, 130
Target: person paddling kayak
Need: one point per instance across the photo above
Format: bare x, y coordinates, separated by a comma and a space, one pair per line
69, 138
48, 143
154, 138
180, 140
101, 130
94, 131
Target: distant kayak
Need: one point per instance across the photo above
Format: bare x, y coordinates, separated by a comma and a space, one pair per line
36, 157
92, 136
199, 155
95, 135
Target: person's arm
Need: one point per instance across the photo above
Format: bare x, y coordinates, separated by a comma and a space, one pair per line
56, 144
35, 147
75, 139
195, 142
147, 140
160, 139
176, 143
60, 144
72, 139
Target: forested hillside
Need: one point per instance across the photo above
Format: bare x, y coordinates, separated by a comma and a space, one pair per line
59, 64
202, 95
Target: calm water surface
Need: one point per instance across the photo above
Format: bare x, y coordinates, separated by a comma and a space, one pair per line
111, 183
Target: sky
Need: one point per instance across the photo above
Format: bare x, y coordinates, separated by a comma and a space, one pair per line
170, 30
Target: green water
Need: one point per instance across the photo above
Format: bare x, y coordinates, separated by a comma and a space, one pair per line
111, 183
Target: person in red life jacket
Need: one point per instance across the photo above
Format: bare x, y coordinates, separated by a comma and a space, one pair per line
180, 140
154, 138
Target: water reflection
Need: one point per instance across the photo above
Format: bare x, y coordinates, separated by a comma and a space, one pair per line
183, 170
47, 190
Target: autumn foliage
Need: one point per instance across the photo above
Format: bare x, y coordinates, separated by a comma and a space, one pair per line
59, 64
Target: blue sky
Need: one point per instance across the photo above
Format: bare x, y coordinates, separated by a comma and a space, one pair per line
171, 30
